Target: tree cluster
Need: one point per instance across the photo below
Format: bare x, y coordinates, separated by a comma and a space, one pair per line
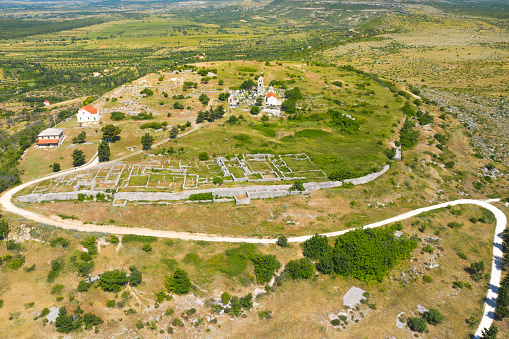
210, 115
66, 323
365, 254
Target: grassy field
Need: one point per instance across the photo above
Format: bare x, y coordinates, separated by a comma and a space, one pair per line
292, 312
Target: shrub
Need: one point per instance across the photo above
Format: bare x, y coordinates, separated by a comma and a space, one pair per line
177, 322
117, 116
83, 286
454, 224
316, 247
462, 255
449, 164
203, 156
408, 136
433, 317
367, 254
110, 303
264, 267
57, 289
299, 186
417, 324
146, 247
4, 229
153, 125
225, 298
201, 196
476, 270
265, 314
300, 269
140, 238
17, 262
335, 322
282, 241
179, 282
63, 242
135, 278
218, 180
114, 239
246, 301
427, 278
112, 281
428, 249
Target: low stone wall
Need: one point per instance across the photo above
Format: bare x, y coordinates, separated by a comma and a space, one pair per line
39, 197
227, 193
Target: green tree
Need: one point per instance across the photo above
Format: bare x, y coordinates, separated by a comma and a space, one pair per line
117, 116
225, 298
174, 132
111, 133
259, 101
80, 138
66, 323
218, 180
204, 99
56, 167
223, 96
299, 186
78, 158
4, 229
490, 333
417, 324
476, 270
316, 247
255, 110
282, 241
88, 101
247, 84
300, 269
112, 281
178, 105
203, 156
265, 267
146, 141
135, 278
103, 151
179, 282
433, 317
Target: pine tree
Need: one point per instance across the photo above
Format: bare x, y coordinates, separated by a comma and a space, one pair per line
490, 333
147, 140
174, 132
78, 158
103, 151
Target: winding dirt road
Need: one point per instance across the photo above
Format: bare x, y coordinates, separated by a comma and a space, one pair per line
496, 271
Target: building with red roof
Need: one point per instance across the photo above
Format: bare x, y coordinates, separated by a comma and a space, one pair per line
50, 137
88, 114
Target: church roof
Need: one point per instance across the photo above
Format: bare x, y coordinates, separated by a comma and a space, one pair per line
271, 94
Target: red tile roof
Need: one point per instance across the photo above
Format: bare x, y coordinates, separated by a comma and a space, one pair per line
90, 109
271, 94
47, 141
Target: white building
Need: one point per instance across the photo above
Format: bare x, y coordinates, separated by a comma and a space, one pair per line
272, 99
88, 114
46, 103
50, 137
